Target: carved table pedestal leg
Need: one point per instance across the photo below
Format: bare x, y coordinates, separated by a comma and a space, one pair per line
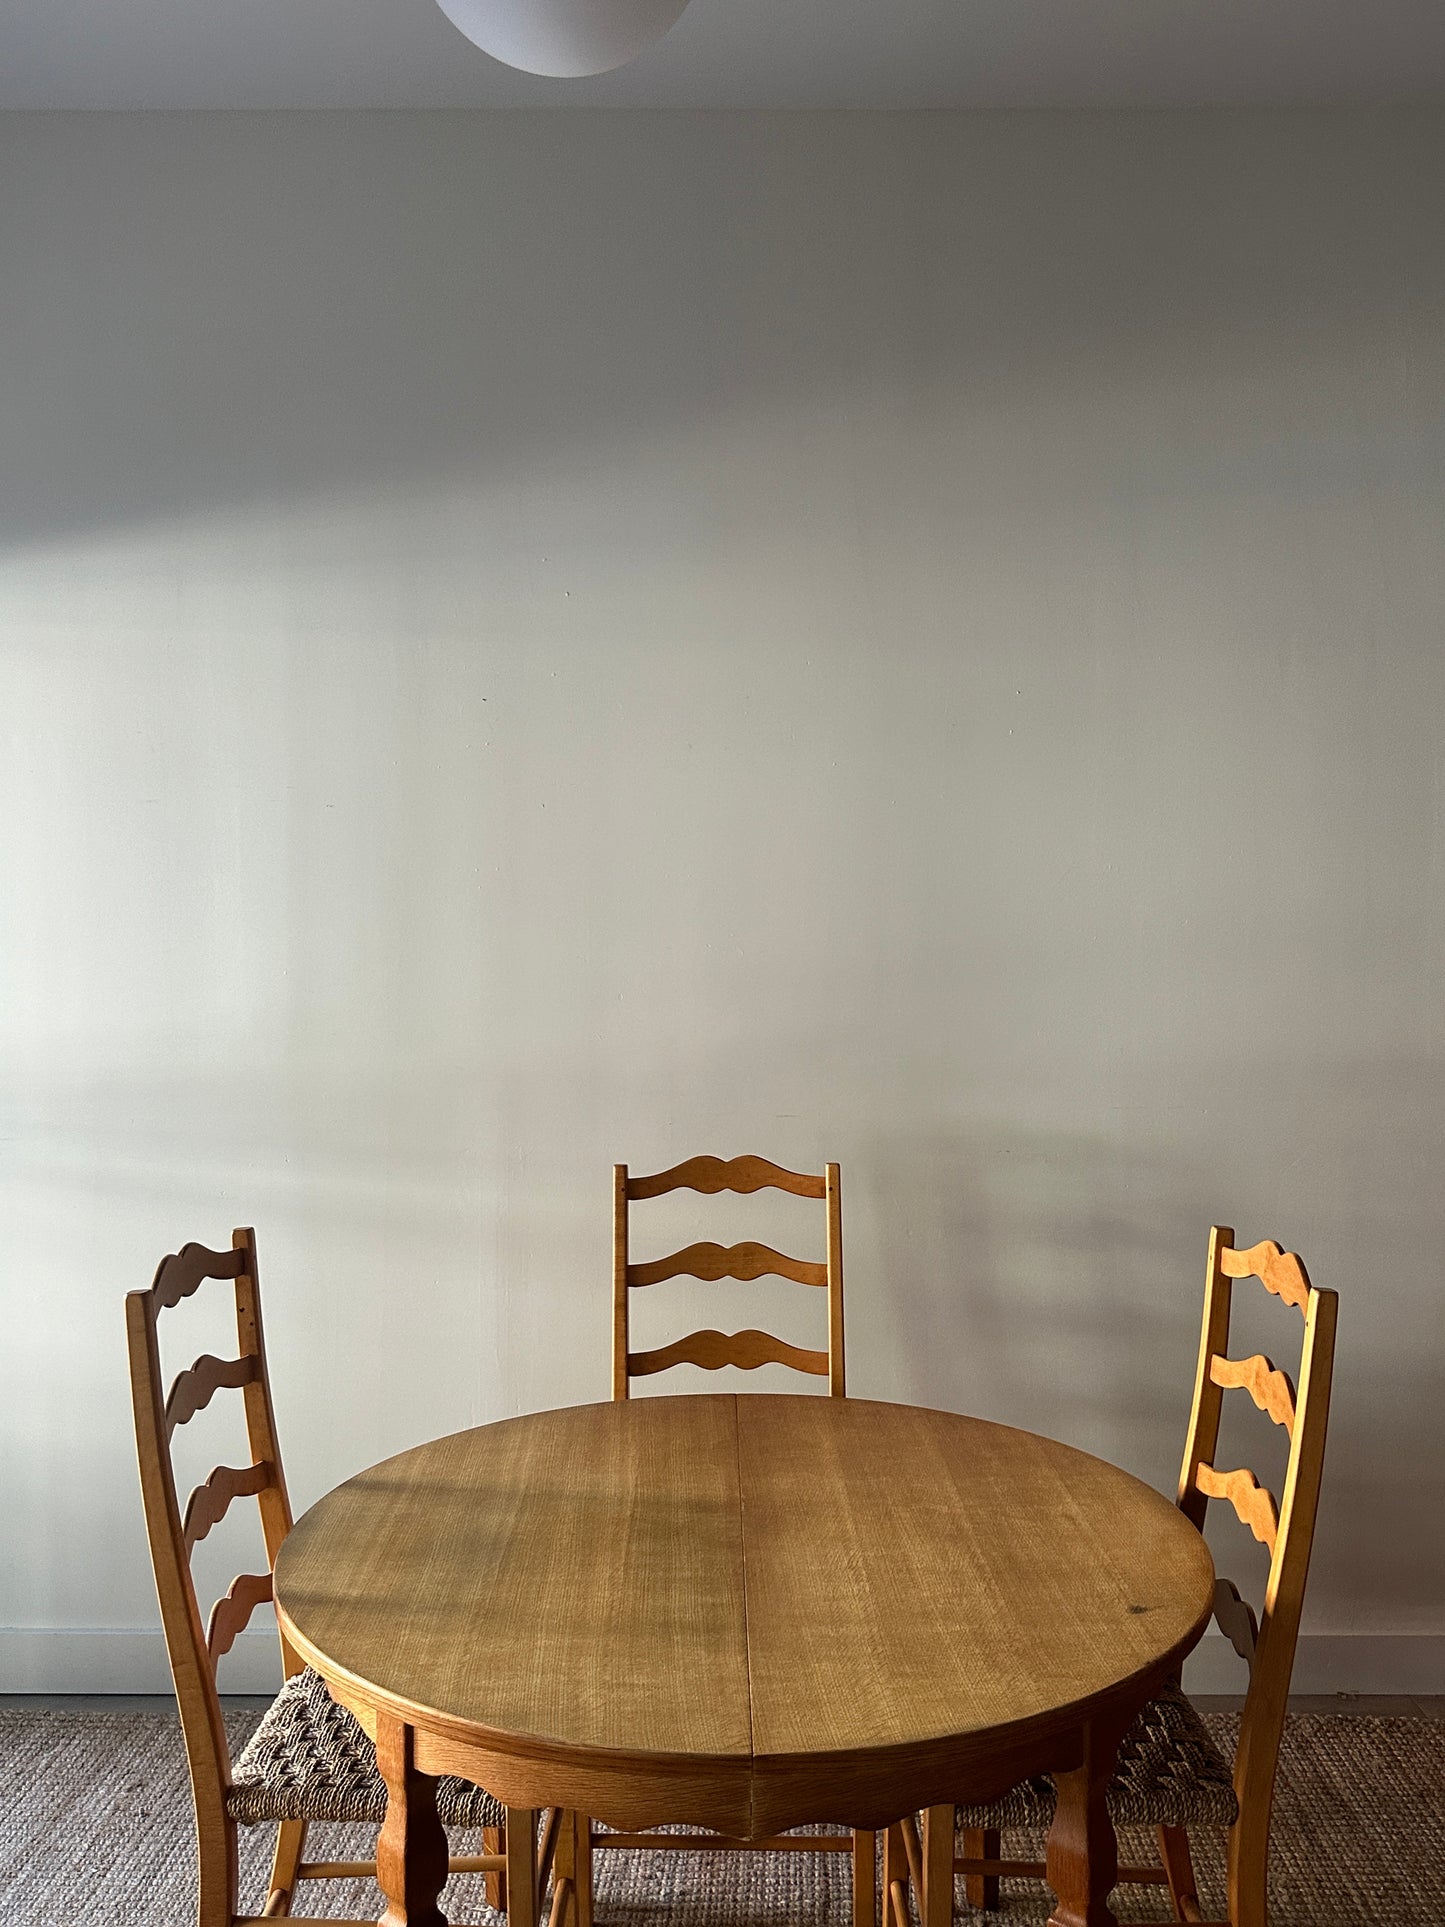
411, 1851
1083, 1854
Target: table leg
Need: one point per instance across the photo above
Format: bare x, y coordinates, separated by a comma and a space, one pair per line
935, 1903
411, 1850
523, 1900
1083, 1854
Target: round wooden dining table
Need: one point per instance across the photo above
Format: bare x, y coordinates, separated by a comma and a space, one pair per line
747, 1613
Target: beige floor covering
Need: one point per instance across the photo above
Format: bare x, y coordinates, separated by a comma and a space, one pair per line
95, 1828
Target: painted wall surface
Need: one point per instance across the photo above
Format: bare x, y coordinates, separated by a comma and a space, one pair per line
528, 641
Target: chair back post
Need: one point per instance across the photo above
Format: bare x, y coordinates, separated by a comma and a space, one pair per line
833, 1189
1262, 1722
208, 1755
619, 1281
1203, 1434
273, 1499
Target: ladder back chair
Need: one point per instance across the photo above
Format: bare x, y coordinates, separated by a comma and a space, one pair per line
1170, 1775
713, 1349
309, 1759
746, 1349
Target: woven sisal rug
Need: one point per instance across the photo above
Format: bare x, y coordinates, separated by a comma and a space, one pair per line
95, 1830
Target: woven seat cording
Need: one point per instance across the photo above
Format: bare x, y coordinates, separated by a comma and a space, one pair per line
309, 1760
1170, 1774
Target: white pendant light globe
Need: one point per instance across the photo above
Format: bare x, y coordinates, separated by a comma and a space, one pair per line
566, 38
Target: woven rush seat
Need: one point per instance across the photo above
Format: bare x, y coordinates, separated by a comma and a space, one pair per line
310, 1760
1170, 1774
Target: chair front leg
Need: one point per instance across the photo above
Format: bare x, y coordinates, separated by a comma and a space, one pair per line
218, 1866
1247, 1872
1179, 1869
290, 1839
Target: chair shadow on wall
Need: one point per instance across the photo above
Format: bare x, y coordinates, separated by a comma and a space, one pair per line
1052, 1281
1045, 1285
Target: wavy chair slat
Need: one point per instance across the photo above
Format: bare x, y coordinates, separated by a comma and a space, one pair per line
1253, 1502
711, 1262
194, 1388
711, 1350
209, 1503
710, 1175
1271, 1389
1279, 1271
1235, 1618
232, 1613
186, 1270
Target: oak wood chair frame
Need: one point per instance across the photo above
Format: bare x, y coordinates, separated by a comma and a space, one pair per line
173, 1535
1267, 1644
747, 1350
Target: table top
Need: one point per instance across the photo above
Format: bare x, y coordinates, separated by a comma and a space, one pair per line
760, 1583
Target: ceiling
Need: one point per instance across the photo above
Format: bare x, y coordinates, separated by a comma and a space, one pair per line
732, 53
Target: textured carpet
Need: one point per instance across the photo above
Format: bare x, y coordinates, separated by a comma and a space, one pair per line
95, 1830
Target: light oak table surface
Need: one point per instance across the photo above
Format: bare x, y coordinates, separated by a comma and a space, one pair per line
748, 1613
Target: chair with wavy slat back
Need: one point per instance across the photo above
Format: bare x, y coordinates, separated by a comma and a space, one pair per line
1170, 1775
747, 1350
308, 1759
713, 1349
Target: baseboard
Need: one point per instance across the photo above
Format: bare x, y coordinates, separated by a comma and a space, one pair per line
39, 1659
43, 1659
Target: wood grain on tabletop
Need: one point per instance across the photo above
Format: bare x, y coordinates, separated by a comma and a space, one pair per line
722, 1576
573, 1576
914, 1574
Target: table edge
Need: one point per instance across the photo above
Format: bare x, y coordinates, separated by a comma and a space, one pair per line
749, 1795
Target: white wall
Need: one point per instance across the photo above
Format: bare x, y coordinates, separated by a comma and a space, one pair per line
536, 640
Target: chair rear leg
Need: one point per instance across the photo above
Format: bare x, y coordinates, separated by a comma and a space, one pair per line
981, 1889
1179, 1868
218, 1868
1248, 1867
865, 1879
